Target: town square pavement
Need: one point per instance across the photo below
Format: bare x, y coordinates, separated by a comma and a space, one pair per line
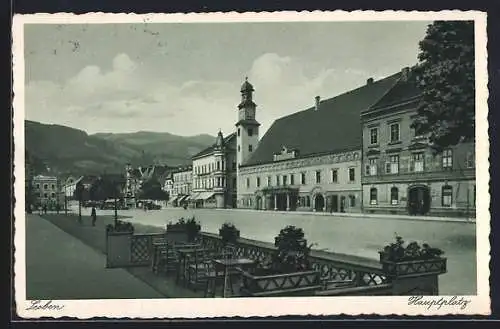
59, 266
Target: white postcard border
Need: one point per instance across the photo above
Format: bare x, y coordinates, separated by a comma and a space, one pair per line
246, 307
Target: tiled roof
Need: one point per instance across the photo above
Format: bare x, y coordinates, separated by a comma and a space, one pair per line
229, 142
404, 89
334, 127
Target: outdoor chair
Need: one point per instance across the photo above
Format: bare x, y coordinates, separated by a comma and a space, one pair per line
200, 266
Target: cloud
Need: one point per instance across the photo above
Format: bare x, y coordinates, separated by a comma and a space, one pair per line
128, 98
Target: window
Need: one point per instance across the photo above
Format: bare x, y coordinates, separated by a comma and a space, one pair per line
469, 160
268, 180
334, 176
45, 186
303, 178
45, 195
218, 165
446, 196
285, 177
238, 148
277, 180
37, 186
392, 167
53, 187
374, 136
417, 162
447, 159
250, 132
239, 131
394, 195
53, 194
250, 148
373, 195
308, 201
234, 165
394, 132
352, 175
248, 182
372, 167
352, 201
292, 179
318, 177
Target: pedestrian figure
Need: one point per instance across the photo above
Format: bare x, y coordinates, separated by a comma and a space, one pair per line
45, 208
93, 214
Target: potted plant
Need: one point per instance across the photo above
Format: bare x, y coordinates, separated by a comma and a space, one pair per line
183, 230
399, 259
288, 272
229, 233
118, 244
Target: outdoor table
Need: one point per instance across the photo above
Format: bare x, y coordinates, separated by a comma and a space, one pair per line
157, 247
184, 252
227, 265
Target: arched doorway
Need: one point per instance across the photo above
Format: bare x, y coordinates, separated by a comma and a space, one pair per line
419, 199
319, 202
258, 203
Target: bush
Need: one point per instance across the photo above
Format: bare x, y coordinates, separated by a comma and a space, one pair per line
120, 226
292, 254
398, 252
229, 233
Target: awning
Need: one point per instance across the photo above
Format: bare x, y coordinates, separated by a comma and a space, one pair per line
194, 197
188, 198
173, 200
205, 195
183, 198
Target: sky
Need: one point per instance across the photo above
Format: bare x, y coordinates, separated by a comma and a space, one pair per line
184, 78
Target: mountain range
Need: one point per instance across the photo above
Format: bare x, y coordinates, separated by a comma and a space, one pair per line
66, 150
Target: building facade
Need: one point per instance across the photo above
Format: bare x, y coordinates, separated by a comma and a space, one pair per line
401, 173
46, 191
182, 180
214, 174
320, 183
309, 160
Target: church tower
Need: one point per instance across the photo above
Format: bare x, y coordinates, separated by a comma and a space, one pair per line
247, 128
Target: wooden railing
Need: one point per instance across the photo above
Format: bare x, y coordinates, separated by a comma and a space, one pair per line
141, 248
333, 267
338, 274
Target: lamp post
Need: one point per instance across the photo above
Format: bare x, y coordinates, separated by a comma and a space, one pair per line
115, 192
79, 190
65, 200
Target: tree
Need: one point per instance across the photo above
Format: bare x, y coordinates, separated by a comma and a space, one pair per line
151, 189
445, 74
104, 188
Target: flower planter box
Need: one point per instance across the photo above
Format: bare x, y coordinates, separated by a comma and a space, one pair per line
118, 249
177, 235
288, 284
414, 268
302, 242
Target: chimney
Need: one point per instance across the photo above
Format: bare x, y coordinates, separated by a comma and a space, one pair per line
405, 72
318, 100
369, 81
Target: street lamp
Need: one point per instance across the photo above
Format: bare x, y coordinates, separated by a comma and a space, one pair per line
79, 189
65, 199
